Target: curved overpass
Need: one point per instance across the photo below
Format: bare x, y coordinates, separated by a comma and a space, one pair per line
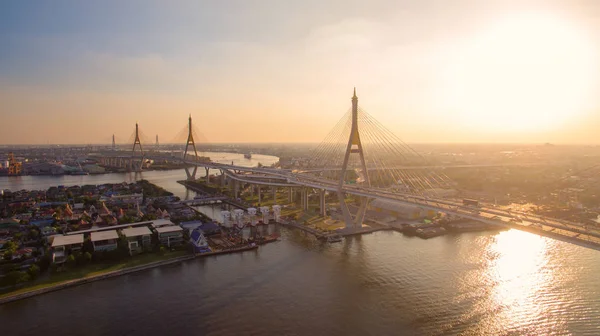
549, 227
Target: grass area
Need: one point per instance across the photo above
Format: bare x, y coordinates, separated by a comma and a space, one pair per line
93, 270
267, 199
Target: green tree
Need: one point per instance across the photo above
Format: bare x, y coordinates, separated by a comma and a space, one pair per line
71, 260
16, 277
44, 262
87, 256
87, 246
10, 248
33, 234
33, 271
149, 217
58, 213
79, 258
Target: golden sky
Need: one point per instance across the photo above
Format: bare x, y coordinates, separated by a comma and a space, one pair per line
431, 71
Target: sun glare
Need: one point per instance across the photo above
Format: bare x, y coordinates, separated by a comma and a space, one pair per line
527, 73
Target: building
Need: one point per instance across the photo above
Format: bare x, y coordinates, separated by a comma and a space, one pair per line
104, 240
161, 222
138, 238
199, 241
210, 228
127, 199
26, 252
63, 246
170, 235
191, 225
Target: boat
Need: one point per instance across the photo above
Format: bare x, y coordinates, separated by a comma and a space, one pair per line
334, 239
248, 156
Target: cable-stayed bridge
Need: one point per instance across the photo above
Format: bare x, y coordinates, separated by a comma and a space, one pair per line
362, 158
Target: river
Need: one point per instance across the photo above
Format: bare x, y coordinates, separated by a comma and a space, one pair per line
504, 283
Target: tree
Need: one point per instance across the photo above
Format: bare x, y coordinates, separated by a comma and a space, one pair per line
149, 217
10, 248
71, 260
33, 271
44, 262
57, 213
33, 234
123, 246
87, 246
18, 236
16, 277
87, 256
79, 258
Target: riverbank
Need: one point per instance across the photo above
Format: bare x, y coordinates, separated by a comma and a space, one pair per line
28, 292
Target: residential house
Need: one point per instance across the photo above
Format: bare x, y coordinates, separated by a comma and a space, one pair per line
138, 238
104, 240
63, 246
170, 235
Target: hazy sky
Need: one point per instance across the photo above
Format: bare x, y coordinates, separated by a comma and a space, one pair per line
283, 71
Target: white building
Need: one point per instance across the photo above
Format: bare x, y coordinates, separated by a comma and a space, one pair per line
138, 238
63, 246
104, 240
170, 235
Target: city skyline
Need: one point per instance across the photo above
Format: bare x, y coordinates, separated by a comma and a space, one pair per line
432, 72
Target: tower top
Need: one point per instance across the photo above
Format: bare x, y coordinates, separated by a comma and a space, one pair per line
354, 96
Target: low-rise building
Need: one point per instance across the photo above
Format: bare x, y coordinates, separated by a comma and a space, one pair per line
199, 241
138, 238
191, 225
161, 222
170, 235
63, 246
104, 240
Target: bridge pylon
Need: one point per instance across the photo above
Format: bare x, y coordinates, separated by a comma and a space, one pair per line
190, 141
354, 147
137, 142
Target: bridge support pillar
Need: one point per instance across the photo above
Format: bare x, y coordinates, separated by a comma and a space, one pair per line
322, 210
223, 178
236, 189
290, 195
259, 195
191, 176
274, 189
207, 175
304, 198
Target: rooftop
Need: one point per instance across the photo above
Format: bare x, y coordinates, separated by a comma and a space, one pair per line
104, 235
67, 240
166, 229
135, 232
161, 222
154, 223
